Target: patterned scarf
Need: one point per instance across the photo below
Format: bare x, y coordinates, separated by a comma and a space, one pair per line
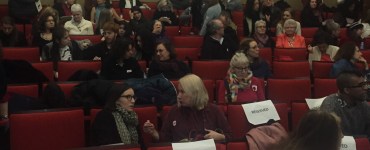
126, 122
235, 84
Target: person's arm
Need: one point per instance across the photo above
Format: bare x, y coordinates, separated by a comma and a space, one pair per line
150, 129
92, 15
115, 15
90, 29
279, 42
103, 129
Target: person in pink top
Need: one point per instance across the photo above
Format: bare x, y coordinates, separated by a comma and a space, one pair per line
239, 85
290, 39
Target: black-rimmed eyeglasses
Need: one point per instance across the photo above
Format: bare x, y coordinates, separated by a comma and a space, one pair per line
364, 85
129, 97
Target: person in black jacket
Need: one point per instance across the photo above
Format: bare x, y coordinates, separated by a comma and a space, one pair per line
311, 15
215, 45
120, 64
64, 8
9, 35
117, 122
165, 62
165, 13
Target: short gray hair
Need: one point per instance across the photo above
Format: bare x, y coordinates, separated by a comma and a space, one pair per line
258, 22
76, 8
290, 22
239, 59
213, 26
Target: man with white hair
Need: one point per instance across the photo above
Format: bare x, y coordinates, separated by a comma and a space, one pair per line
78, 25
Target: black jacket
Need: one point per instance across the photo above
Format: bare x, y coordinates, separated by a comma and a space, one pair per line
212, 49
110, 70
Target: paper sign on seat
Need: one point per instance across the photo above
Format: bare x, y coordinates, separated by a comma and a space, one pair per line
260, 112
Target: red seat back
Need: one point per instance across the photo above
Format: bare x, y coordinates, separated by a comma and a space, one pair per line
288, 90
68, 68
296, 54
31, 90
321, 69
46, 68
214, 70
298, 110
290, 70
324, 87
188, 41
308, 32
362, 144
30, 54
183, 53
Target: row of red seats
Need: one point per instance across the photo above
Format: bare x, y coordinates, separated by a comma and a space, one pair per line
63, 129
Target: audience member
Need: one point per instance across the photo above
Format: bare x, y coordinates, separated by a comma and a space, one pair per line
104, 17
165, 62
287, 14
196, 17
213, 10
44, 34
193, 118
9, 35
350, 103
257, 65
232, 5
64, 7
348, 12
251, 15
322, 51
165, 14
215, 45
101, 5
230, 27
311, 15
138, 22
346, 58
270, 13
290, 38
261, 36
120, 63
132, 3
333, 29
78, 25
354, 32
117, 122
125, 30
317, 130
240, 85
181, 4
62, 48
102, 49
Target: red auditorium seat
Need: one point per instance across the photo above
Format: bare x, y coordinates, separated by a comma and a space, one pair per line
288, 90
343, 33
298, 110
185, 30
55, 130
95, 39
4, 10
148, 14
152, 5
362, 144
321, 69
367, 43
266, 54
171, 31
239, 124
214, 70
68, 68
308, 41
291, 69
366, 54
192, 53
308, 32
210, 86
238, 17
46, 68
237, 146
188, 41
67, 88
30, 54
143, 66
324, 87
290, 54
31, 90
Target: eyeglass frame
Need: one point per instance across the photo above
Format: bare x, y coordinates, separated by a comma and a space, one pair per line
129, 97
364, 85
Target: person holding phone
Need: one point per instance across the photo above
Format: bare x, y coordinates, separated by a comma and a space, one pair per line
346, 58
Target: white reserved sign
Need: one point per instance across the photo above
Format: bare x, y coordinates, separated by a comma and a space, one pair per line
348, 143
314, 103
198, 145
260, 112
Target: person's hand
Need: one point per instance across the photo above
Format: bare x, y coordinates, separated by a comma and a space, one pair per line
131, 14
310, 48
363, 61
96, 58
150, 129
165, 19
267, 18
146, 6
214, 135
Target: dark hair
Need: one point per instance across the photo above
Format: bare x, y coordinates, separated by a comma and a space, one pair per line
114, 94
104, 17
346, 51
212, 27
344, 78
352, 32
245, 44
43, 19
120, 47
249, 11
317, 130
169, 47
111, 26
317, 1
58, 33
14, 35
136, 8
321, 38
8, 20
53, 96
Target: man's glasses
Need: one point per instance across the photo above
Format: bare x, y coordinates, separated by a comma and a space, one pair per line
129, 97
363, 85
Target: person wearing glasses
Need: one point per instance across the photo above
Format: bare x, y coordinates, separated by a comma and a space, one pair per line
261, 36
193, 118
257, 65
117, 122
350, 103
346, 58
239, 84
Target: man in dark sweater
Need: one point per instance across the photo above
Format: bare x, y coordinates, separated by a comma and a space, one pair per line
215, 45
350, 103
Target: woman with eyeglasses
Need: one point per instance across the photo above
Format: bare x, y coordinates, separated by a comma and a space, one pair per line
193, 118
346, 58
257, 65
288, 13
117, 122
261, 36
239, 84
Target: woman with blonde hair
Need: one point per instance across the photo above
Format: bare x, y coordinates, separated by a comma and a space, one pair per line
239, 84
193, 118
